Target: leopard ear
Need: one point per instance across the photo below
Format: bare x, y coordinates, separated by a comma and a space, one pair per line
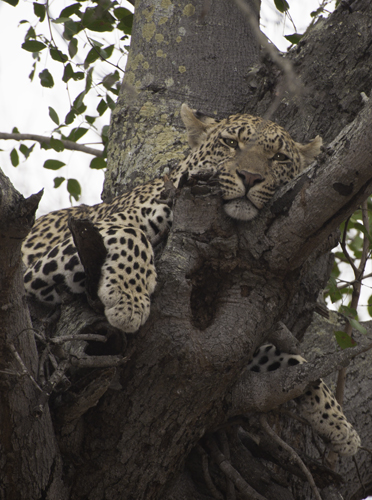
311, 150
197, 125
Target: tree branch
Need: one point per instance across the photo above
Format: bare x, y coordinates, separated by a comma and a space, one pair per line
73, 146
316, 203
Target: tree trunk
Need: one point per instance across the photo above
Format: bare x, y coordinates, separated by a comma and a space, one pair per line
174, 414
31, 465
179, 53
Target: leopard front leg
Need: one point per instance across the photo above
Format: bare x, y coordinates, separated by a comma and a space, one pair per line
128, 276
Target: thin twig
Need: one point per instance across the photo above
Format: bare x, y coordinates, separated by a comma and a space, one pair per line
73, 146
291, 83
294, 456
24, 370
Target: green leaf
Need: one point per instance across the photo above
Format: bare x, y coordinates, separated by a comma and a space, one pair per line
92, 56
67, 73
53, 164
33, 46
39, 10
46, 79
110, 102
53, 115
360, 227
349, 312
58, 181
72, 47
77, 133
61, 20
70, 117
32, 74
71, 28
125, 24
15, 130
13, 3
110, 79
97, 163
89, 79
71, 9
281, 5
95, 19
355, 324
95, 43
78, 104
294, 38
14, 158
121, 12
45, 145
30, 33
57, 145
25, 150
344, 340
104, 133
73, 187
106, 53
90, 119
369, 306
58, 55
102, 106
78, 75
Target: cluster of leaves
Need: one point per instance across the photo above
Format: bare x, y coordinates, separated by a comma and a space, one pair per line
354, 253
284, 7
80, 25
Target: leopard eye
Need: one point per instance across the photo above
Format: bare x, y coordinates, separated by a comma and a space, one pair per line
280, 157
231, 143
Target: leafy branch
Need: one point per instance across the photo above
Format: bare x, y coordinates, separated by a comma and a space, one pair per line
83, 25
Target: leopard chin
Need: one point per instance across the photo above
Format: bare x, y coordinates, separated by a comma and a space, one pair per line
240, 209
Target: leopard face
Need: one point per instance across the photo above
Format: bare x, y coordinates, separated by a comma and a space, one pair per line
252, 158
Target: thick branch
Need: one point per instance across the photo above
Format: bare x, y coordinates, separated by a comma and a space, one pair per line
320, 199
73, 146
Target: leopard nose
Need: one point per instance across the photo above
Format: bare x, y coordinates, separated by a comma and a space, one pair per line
249, 179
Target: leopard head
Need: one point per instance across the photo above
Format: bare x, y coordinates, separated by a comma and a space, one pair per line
252, 157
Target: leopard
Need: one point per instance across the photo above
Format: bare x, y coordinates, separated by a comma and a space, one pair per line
251, 157
316, 405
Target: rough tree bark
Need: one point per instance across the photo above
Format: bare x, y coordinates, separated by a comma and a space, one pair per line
180, 51
148, 426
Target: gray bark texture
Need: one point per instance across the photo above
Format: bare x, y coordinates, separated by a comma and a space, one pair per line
180, 52
170, 412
